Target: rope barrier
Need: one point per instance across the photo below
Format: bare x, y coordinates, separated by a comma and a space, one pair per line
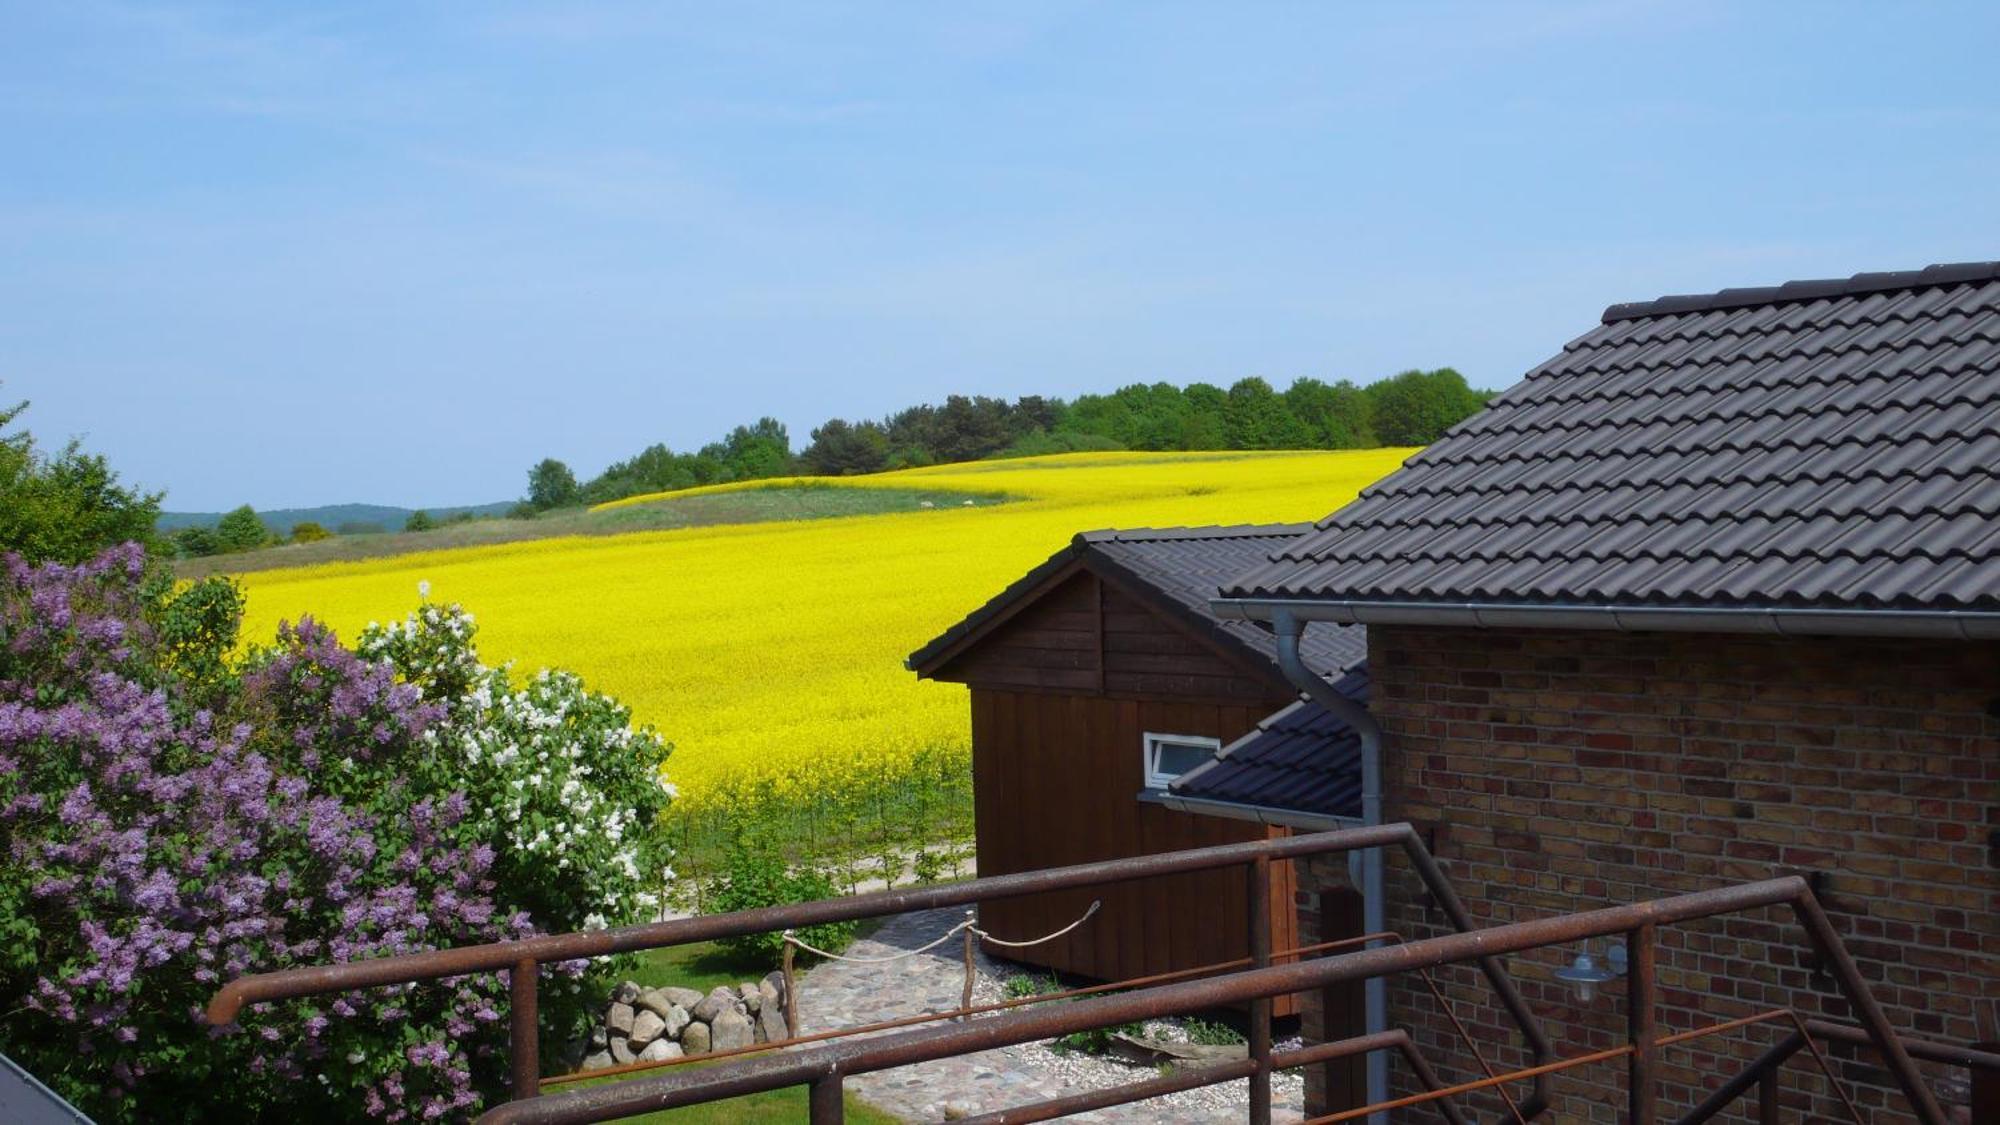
1024, 944
968, 924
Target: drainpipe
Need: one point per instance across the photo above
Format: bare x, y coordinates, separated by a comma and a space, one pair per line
1376, 991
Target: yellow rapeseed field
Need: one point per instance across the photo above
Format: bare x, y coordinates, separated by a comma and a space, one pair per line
771, 654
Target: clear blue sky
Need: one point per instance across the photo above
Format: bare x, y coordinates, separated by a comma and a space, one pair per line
291, 255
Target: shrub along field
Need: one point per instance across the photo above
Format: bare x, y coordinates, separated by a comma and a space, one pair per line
771, 654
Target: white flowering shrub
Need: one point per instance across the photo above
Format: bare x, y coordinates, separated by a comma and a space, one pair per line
557, 779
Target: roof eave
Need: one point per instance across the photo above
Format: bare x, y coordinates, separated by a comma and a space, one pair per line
1946, 624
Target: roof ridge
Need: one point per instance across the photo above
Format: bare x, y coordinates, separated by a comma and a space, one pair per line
1952, 273
1211, 531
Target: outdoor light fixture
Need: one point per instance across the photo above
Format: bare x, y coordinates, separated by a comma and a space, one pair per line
1586, 973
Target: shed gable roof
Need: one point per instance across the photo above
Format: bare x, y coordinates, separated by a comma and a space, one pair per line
1176, 570
1822, 445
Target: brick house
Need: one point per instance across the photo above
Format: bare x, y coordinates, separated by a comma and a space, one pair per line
1712, 595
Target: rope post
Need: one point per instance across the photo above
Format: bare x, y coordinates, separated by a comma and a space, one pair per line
791, 988
965, 997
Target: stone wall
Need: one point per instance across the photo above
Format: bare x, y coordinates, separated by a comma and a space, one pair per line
1559, 771
654, 1024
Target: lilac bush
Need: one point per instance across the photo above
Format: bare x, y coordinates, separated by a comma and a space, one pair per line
173, 819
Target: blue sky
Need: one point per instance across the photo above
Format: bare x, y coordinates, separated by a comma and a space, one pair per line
289, 254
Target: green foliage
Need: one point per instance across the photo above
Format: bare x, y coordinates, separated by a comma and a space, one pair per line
929, 866
195, 627
754, 875
1023, 985
68, 507
752, 452
1417, 407
241, 530
307, 531
196, 542
552, 485
842, 448
1211, 1034
420, 520
1096, 1040
1255, 417
1334, 417
1041, 444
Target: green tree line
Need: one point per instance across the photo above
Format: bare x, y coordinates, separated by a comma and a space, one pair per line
1413, 408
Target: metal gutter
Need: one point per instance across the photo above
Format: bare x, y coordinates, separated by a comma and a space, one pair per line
1947, 624
1270, 815
1288, 630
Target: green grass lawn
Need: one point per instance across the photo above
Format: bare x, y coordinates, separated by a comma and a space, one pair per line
779, 1107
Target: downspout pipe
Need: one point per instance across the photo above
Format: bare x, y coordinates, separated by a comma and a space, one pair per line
1288, 629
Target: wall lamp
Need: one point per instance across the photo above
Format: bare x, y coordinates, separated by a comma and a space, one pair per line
1587, 972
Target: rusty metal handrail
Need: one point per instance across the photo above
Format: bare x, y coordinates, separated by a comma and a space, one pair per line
823, 1069
522, 959
961, 1012
1762, 1071
1395, 1039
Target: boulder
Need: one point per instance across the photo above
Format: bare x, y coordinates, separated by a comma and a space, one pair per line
621, 1053
731, 1030
714, 1004
771, 1024
751, 997
775, 981
599, 1038
677, 1020
685, 997
619, 1019
597, 1060
626, 992
655, 1000
772, 993
646, 1027
695, 1038
660, 1049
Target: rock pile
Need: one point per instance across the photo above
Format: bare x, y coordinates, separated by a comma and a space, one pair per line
652, 1024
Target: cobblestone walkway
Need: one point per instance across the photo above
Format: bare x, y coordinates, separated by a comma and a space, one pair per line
840, 994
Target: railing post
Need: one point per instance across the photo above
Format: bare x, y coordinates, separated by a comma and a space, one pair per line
1767, 1098
825, 1103
1640, 1020
1260, 1008
525, 1035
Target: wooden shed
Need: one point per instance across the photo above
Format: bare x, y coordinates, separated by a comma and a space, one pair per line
1095, 680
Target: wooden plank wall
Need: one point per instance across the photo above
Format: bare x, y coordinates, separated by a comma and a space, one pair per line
1055, 779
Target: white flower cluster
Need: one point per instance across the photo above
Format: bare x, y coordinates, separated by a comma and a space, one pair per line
568, 785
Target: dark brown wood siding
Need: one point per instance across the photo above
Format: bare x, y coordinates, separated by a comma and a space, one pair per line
1056, 779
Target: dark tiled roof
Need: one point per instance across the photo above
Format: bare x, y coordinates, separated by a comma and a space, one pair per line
1817, 445
1177, 570
1301, 759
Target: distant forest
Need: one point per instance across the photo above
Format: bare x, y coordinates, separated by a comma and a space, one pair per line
1412, 408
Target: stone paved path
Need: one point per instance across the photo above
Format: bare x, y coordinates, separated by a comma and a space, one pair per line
840, 994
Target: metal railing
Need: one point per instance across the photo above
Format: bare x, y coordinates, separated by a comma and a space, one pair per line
823, 1068
522, 960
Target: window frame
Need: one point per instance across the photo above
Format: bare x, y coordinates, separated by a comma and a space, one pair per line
1150, 743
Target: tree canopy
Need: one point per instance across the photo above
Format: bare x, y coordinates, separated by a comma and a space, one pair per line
65, 507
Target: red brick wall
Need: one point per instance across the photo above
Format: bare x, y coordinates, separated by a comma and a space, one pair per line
1568, 770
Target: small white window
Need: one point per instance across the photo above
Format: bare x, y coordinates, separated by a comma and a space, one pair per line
1170, 755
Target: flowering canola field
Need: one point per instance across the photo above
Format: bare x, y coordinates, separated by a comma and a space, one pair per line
771, 654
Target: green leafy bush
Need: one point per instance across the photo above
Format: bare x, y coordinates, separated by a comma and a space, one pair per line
176, 816
753, 876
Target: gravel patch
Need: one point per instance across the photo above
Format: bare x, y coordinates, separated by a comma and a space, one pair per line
842, 994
